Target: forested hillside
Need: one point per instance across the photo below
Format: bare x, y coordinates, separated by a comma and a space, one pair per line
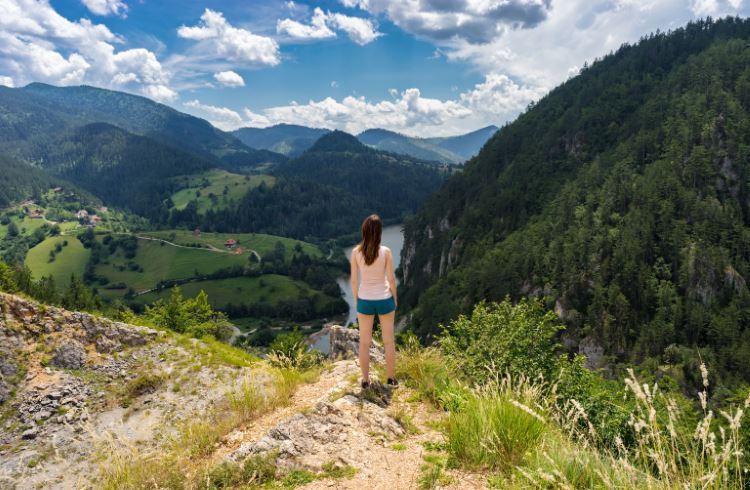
19, 181
621, 199
125, 169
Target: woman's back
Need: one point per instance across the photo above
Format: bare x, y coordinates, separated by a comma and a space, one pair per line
373, 278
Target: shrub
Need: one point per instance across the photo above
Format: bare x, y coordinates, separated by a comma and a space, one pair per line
502, 337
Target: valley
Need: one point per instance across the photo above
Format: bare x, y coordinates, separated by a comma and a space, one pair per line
570, 227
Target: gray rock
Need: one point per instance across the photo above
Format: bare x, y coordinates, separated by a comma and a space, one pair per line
30, 433
70, 354
343, 343
4, 391
43, 415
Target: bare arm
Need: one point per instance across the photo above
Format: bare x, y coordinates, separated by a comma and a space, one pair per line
391, 275
354, 275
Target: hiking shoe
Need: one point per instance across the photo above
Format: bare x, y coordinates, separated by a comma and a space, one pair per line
365, 384
392, 382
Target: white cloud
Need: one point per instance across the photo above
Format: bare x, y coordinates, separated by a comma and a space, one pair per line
715, 8
160, 93
106, 7
38, 44
217, 38
334, 84
221, 117
493, 101
361, 31
316, 30
6, 81
229, 79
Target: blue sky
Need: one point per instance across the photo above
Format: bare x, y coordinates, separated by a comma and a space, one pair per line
422, 67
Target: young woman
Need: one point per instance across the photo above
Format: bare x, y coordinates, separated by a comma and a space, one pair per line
376, 295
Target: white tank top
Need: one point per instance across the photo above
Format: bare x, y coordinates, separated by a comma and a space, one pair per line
373, 281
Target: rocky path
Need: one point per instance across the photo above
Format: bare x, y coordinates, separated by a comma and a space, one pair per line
387, 437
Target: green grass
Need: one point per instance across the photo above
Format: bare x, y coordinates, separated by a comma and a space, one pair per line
164, 262
215, 182
263, 244
492, 432
269, 288
26, 225
71, 260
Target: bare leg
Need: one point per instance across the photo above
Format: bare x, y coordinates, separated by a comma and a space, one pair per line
365, 338
389, 342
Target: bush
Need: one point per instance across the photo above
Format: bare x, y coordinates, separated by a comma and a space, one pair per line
502, 337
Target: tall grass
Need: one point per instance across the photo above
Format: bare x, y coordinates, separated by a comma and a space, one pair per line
531, 438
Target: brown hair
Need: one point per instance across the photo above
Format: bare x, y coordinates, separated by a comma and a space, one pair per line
372, 229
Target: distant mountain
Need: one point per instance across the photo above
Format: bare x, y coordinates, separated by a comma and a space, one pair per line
286, 139
327, 192
31, 114
466, 145
454, 149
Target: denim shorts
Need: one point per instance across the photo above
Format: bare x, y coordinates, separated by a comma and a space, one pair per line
375, 306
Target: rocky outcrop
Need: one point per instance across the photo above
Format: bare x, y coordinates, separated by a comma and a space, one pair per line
337, 428
70, 354
343, 343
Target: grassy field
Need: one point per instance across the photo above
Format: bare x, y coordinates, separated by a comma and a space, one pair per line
71, 260
259, 242
160, 262
26, 226
215, 189
270, 288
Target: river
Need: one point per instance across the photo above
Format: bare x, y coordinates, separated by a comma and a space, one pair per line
393, 238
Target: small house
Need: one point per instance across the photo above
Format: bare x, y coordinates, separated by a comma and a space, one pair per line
231, 243
197, 232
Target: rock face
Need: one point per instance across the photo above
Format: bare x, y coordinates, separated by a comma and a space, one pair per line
70, 354
343, 343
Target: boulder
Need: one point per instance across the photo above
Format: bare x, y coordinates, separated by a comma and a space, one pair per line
343, 343
4, 391
70, 354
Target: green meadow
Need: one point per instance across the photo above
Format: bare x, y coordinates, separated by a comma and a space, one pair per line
71, 259
157, 261
215, 189
269, 288
263, 244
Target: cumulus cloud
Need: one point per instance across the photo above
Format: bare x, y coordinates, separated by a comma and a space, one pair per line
217, 38
361, 31
38, 44
317, 29
473, 21
221, 117
6, 81
106, 7
489, 102
229, 79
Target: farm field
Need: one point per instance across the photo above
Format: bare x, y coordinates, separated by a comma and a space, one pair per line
71, 259
215, 189
156, 261
270, 289
263, 244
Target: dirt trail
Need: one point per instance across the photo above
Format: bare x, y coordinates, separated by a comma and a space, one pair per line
381, 461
